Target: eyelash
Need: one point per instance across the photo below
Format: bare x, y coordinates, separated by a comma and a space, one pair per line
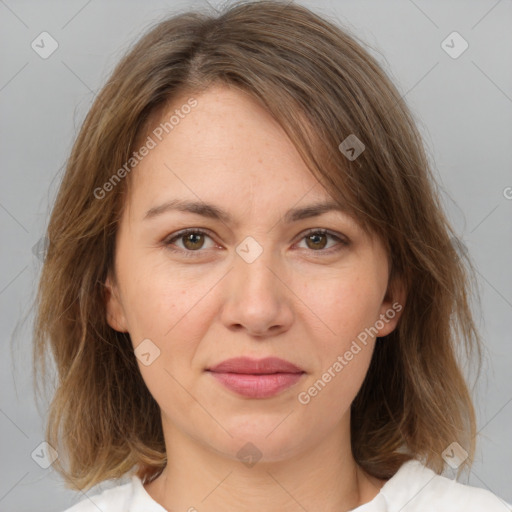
342, 243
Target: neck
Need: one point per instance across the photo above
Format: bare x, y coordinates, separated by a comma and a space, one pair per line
324, 478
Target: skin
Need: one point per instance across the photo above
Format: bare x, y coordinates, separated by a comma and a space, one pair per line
302, 302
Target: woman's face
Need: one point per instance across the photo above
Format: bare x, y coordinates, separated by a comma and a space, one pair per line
250, 281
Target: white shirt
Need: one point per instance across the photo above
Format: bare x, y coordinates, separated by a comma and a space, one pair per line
413, 488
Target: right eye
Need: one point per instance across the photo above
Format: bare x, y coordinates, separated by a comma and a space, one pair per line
192, 241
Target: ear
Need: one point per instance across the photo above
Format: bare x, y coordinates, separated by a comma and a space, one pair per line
114, 309
392, 307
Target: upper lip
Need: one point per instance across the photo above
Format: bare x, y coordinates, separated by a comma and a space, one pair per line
255, 366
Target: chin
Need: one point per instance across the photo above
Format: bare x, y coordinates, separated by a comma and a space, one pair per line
258, 440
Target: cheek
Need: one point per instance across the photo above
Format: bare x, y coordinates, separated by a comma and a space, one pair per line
327, 396
158, 301
150, 306
173, 311
349, 307
346, 305
170, 313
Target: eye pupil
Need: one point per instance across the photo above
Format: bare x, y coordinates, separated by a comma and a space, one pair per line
315, 236
192, 238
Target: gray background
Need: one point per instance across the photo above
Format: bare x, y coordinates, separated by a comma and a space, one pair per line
464, 110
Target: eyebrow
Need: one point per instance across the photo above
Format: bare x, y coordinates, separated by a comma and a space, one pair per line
214, 212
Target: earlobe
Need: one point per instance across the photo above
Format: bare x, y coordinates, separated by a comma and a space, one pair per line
114, 309
392, 307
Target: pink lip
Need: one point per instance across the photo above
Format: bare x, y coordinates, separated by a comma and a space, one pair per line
256, 378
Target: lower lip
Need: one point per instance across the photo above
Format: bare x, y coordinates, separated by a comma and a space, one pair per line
257, 386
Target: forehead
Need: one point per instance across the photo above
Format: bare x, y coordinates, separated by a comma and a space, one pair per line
227, 148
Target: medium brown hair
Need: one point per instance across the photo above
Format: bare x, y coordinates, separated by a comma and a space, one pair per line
321, 85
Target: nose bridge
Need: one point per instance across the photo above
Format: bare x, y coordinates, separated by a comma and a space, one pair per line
256, 299
253, 264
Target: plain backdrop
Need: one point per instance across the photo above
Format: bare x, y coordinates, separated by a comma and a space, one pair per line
463, 107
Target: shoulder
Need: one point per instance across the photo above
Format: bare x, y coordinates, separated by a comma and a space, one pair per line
115, 499
417, 488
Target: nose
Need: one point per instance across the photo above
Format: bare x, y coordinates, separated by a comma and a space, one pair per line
257, 297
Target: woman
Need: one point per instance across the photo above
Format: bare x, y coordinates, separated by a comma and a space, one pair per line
250, 290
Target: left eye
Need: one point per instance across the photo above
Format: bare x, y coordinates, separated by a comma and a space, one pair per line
193, 240
317, 239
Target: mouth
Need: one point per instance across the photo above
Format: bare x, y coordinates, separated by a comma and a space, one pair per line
256, 378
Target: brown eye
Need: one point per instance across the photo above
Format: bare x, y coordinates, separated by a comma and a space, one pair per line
193, 241
189, 242
316, 240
